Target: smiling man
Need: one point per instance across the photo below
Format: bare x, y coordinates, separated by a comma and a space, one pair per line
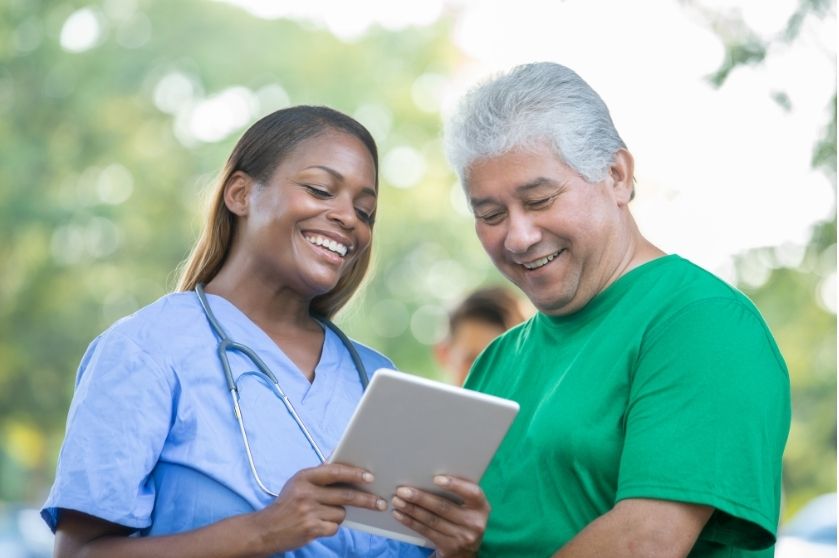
654, 401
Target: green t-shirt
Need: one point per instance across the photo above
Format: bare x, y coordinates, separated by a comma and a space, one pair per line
667, 385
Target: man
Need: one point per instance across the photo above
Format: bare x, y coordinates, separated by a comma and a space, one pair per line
482, 316
654, 401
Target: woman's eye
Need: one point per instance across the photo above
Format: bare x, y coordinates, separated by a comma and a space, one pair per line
364, 216
317, 191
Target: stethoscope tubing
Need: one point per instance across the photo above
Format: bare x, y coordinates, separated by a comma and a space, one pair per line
227, 344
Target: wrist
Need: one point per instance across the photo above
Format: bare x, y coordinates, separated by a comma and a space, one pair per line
251, 534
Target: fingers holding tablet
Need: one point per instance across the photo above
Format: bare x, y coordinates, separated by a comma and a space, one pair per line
455, 529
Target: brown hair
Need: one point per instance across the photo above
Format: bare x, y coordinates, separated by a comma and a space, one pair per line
492, 305
258, 153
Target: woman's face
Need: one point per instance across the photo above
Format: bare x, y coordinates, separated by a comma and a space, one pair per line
312, 219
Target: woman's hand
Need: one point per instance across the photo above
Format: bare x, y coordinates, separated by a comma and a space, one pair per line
311, 506
455, 529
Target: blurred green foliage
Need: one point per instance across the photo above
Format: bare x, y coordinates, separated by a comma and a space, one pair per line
793, 285
103, 170
104, 174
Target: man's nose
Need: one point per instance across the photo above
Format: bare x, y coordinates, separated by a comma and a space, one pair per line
522, 233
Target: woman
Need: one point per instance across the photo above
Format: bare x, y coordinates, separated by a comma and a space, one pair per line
152, 445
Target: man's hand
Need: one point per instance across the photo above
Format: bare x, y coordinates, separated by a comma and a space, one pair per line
455, 529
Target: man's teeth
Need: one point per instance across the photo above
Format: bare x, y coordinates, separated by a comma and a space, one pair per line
541, 261
329, 244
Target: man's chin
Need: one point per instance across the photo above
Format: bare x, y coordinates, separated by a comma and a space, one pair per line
555, 305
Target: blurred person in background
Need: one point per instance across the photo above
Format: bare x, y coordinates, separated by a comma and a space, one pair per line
655, 404
156, 463
482, 316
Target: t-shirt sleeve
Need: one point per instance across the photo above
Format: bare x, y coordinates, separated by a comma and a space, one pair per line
707, 420
118, 421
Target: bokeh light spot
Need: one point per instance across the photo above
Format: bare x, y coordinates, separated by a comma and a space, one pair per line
429, 323
403, 167
81, 31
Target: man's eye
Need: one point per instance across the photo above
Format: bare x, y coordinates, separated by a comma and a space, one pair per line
491, 218
540, 203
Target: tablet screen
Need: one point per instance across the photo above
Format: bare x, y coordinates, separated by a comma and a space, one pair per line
407, 429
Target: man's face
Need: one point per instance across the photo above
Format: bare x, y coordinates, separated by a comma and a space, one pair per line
470, 336
556, 236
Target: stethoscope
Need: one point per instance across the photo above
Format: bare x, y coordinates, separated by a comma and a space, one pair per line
227, 344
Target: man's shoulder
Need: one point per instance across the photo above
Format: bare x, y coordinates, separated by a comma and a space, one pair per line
702, 303
679, 283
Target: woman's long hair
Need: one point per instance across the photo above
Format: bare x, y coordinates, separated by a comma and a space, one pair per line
258, 153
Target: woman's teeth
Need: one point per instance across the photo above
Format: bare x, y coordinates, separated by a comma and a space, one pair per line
329, 244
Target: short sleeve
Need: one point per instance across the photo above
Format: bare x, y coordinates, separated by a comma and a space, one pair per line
118, 421
707, 420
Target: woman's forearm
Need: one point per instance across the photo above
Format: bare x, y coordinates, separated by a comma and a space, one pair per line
235, 537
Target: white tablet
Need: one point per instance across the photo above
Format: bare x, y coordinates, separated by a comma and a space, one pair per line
407, 429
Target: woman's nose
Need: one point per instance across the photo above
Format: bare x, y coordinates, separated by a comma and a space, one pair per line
342, 211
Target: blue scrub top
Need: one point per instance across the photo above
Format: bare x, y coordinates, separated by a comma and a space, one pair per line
152, 442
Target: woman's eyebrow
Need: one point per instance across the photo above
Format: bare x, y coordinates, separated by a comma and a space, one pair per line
330, 170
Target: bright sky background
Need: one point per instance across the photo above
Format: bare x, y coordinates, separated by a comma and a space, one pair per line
719, 171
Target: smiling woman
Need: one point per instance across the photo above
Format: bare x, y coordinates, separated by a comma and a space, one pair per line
270, 153
286, 243
318, 202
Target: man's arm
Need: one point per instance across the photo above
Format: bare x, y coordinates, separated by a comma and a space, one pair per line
640, 528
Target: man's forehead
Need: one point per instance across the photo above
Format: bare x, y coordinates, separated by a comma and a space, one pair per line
487, 189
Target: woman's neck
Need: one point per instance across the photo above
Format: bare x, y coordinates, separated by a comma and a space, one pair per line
269, 305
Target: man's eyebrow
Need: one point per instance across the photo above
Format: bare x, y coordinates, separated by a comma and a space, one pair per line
475, 202
338, 176
520, 190
535, 183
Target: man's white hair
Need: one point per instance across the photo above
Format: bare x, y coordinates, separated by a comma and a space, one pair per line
530, 104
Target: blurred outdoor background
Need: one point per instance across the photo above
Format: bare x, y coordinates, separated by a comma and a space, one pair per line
116, 115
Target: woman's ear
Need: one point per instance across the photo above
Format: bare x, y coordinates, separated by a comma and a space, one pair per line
237, 191
622, 173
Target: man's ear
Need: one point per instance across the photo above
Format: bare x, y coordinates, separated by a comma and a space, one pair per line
622, 173
237, 192
441, 352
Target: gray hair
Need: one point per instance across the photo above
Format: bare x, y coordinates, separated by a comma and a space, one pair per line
530, 104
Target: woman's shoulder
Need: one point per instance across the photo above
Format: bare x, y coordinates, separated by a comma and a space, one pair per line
372, 359
159, 323
145, 340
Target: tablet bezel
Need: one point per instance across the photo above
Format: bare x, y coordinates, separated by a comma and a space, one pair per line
458, 431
